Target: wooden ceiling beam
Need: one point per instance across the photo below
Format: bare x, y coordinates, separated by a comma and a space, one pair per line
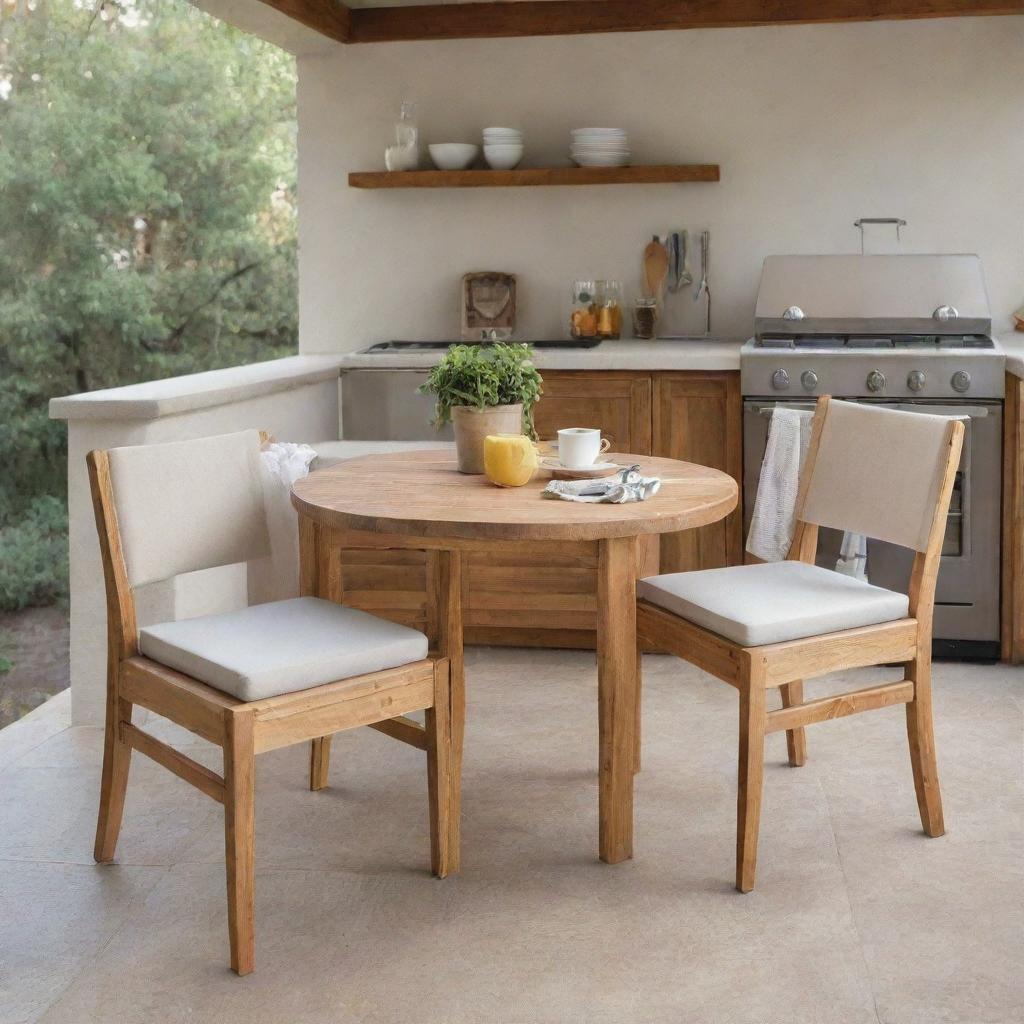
330, 18
574, 17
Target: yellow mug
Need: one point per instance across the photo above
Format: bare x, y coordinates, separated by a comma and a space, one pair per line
510, 460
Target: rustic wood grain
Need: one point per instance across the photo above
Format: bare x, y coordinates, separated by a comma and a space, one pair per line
330, 18
421, 493
577, 17
244, 729
698, 417
617, 404
617, 680
662, 174
752, 670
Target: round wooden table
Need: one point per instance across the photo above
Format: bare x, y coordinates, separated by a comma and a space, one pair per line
419, 500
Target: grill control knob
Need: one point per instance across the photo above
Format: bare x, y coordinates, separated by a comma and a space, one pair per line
780, 380
946, 313
793, 313
961, 381
915, 380
876, 380
809, 379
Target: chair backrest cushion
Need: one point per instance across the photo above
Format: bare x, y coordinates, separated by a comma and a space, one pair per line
189, 505
878, 472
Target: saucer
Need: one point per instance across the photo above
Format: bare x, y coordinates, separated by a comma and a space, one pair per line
598, 469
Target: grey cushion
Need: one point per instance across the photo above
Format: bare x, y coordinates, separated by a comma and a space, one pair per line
269, 649
767, 604
330, 453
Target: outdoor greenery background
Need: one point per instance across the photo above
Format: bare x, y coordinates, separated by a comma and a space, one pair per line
147, 229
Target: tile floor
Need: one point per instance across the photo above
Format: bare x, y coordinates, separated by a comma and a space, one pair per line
857, 918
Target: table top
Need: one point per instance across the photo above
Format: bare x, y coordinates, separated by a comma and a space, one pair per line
422, 493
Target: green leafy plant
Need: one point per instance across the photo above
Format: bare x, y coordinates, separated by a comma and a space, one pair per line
147, 214
483, 376
34, 556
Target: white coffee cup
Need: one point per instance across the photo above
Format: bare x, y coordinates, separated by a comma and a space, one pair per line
579, 447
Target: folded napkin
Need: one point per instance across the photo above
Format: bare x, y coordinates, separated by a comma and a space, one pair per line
626, 486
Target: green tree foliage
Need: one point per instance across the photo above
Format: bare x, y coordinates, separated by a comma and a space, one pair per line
147, 224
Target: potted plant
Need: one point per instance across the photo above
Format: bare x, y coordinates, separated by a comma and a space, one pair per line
481, 390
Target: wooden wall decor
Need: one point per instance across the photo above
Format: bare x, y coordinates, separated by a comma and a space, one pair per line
502, 19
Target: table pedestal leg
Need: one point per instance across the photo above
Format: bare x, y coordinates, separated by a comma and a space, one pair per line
617, 671
444, 626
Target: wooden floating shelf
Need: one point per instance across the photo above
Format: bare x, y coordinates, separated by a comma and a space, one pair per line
658, 174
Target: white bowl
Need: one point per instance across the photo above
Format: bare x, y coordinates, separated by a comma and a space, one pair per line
601, 161
453, 156
503, 158
509, 136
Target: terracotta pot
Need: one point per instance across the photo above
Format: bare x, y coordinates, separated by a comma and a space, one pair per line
472, 425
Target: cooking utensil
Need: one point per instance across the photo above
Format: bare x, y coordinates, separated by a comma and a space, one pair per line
685, 274
704, 289
655, 268
672, 244
678, 261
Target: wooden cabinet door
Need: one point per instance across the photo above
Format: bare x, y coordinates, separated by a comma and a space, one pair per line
698, 417
618, 403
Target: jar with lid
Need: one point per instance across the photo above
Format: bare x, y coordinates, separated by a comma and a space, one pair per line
609, 309
645, 318
583, 319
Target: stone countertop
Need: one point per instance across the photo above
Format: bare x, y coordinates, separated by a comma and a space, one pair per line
628, 354
174, 395
1013, 346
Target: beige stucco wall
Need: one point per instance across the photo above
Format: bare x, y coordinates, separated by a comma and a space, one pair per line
813, 126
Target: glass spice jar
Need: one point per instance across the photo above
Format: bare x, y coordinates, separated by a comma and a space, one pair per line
645, 318
609, 309
583, 319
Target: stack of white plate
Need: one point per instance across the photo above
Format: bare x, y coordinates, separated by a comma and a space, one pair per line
503, 147
599, 147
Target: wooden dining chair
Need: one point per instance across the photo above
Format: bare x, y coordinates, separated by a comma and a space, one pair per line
252, 680
870, 470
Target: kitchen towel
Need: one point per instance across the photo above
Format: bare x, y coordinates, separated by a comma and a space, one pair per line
853, 556
774, 518
613, 490
277, 578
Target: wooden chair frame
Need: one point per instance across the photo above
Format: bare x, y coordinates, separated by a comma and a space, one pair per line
753, 670
244, 729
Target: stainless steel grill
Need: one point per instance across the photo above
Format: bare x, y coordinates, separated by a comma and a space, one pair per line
872, 326
913, 332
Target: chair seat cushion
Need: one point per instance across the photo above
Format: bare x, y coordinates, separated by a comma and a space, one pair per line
768, 603
280, 647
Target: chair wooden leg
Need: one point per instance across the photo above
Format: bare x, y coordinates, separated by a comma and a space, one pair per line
239, 808
443, 794
922, 747
751, 780
319, 762
114, 780
796, 739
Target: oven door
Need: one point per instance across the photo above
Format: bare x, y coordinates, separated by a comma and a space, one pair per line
967, 590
